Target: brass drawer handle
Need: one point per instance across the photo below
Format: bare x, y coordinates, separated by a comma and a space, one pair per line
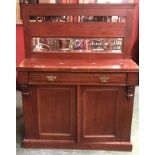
104, 79
51, 77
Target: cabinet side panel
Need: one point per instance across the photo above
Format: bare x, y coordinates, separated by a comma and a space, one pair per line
28, 112
132, 79
126, 120
22, 77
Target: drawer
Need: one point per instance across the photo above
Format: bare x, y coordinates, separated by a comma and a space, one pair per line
97, 78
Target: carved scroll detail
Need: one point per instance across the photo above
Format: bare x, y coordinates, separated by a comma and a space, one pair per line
130, 92
25, 90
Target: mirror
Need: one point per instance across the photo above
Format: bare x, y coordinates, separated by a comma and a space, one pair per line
101, 45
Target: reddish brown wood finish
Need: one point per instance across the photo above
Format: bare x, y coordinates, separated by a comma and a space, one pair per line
56, 112
78, 65
97, 104
78, 100
113, 78
23, 77
29, 123
114, 146
82, 29
132, 79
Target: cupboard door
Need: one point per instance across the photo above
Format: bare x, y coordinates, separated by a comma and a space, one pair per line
56, 112
100, 113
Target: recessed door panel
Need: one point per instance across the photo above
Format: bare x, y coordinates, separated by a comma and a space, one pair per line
99, 113
56, 108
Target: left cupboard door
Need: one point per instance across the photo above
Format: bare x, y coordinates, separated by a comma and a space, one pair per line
54, 110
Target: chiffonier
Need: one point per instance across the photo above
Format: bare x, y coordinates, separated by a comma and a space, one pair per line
78, 78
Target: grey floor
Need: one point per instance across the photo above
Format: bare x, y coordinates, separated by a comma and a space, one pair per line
22, 151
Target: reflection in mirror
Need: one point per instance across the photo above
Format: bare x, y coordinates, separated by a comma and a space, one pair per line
114, 1
86, 1
77, 19
77, 44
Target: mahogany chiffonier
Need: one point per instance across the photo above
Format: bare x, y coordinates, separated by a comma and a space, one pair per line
77, 78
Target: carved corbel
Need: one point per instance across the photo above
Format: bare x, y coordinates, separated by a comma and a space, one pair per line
130, 92
25, 90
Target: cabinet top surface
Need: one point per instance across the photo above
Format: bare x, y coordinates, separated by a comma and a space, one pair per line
77, 65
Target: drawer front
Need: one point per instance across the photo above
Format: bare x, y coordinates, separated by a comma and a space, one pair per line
96, 78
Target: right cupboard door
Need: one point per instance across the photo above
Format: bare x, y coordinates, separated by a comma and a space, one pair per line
101, 112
